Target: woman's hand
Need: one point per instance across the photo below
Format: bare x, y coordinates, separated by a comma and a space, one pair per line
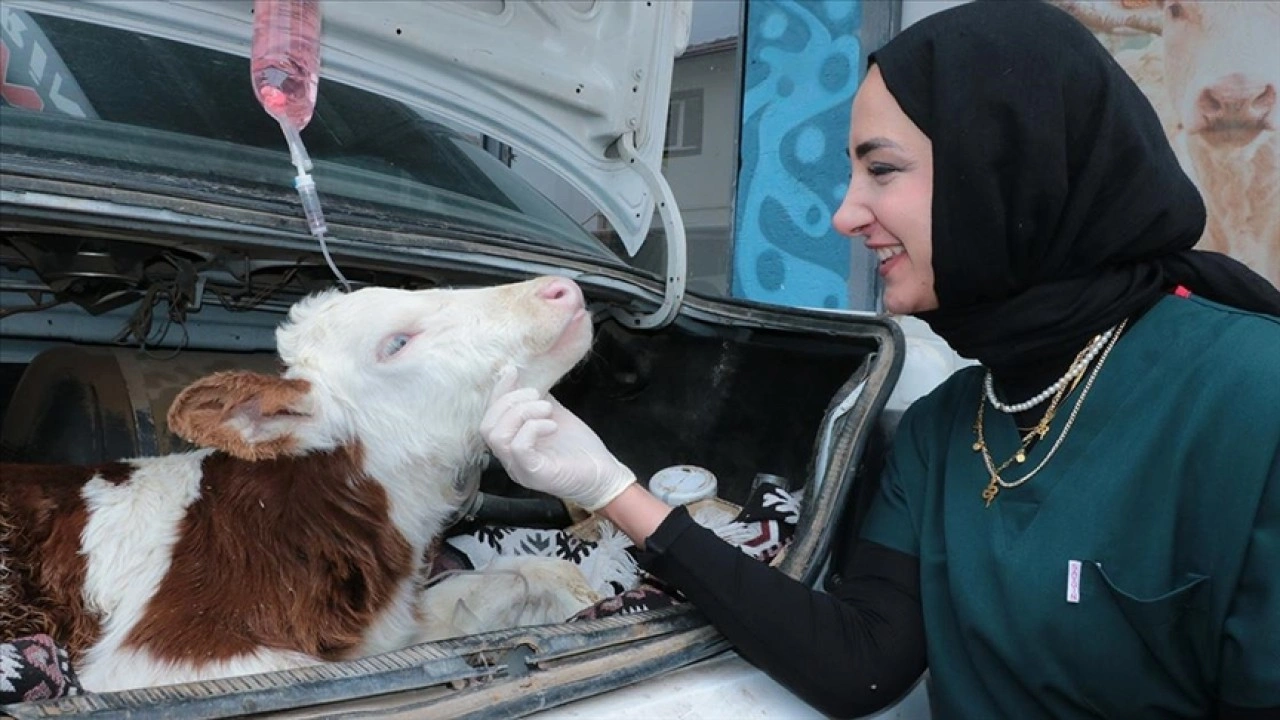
545, 447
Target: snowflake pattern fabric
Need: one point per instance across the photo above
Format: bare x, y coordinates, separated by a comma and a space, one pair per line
34, 668
761, 529
606, 562
647, 596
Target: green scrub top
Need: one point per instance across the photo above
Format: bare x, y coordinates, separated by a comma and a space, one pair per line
1137, 575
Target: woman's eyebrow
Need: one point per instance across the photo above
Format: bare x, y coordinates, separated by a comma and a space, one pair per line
875, 143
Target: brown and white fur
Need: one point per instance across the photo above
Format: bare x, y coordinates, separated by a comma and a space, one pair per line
296, 535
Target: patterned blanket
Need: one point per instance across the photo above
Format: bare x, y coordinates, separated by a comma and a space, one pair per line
34, 668
762, 529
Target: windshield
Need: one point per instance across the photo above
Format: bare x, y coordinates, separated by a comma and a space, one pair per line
137, 110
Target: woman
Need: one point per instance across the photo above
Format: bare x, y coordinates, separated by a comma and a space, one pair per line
1086, 525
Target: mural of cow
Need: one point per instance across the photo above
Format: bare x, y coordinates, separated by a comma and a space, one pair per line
1211, 69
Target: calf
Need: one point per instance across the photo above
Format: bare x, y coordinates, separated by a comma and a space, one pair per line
298, 533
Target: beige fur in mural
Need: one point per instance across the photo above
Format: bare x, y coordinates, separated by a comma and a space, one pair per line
1212, 71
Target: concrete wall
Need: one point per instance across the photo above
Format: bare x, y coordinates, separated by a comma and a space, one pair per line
915, 10
702, 181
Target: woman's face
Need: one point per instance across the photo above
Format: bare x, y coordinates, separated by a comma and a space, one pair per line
890, 196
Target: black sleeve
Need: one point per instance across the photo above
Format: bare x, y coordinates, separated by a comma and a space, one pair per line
847, 653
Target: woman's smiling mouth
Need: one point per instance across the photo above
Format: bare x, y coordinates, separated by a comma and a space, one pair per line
888, 256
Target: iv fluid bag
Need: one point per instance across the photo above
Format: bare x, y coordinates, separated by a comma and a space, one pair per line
285, 64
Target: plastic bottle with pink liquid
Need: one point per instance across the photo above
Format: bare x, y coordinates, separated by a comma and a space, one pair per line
284, 66
285, 63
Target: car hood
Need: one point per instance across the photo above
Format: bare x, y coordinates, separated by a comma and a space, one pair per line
562, 82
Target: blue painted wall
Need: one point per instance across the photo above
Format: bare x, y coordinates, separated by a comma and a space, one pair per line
801, 68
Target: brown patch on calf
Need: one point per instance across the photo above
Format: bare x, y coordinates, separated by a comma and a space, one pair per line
42, 518
294, 553
203, 413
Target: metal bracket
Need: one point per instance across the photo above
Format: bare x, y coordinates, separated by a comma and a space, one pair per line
673, 227
519, 660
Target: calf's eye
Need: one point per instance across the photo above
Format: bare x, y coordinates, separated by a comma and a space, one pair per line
395, 344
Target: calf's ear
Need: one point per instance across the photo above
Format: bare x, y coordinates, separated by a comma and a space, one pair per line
245, 414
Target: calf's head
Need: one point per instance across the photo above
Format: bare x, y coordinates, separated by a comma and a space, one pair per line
405, 375
1222, 68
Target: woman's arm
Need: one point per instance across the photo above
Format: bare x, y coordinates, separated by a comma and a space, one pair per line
637, 513
847, 653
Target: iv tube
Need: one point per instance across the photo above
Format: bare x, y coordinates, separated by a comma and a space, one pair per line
284, 66
310, 199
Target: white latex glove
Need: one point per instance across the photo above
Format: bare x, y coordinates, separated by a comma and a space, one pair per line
545, 447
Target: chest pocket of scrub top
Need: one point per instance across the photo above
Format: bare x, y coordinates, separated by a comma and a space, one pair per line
1173, 625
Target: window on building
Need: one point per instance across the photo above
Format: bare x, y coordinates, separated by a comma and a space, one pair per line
684, 123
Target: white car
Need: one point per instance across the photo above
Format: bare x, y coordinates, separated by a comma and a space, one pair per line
146, 200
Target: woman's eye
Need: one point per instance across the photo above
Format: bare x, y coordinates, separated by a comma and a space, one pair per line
395, 344
881, 169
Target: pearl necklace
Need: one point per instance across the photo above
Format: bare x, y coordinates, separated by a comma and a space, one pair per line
1077, 368
993, 487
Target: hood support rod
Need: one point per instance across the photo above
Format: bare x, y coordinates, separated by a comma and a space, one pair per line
673, 228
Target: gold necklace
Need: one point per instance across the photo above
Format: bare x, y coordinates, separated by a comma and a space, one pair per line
993, 487
1037, 432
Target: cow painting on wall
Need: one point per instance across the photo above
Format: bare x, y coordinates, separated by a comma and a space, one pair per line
1211, 68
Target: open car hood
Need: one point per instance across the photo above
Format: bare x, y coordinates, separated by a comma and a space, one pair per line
581, 86
561, 81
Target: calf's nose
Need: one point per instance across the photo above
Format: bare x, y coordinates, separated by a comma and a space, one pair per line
1234, 99
561, 292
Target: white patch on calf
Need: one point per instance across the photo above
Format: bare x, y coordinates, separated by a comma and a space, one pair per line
397, 626
416, 410
128, 544
131, 669
508, 592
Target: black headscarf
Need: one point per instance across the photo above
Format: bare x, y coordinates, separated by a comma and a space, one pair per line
1059, 207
